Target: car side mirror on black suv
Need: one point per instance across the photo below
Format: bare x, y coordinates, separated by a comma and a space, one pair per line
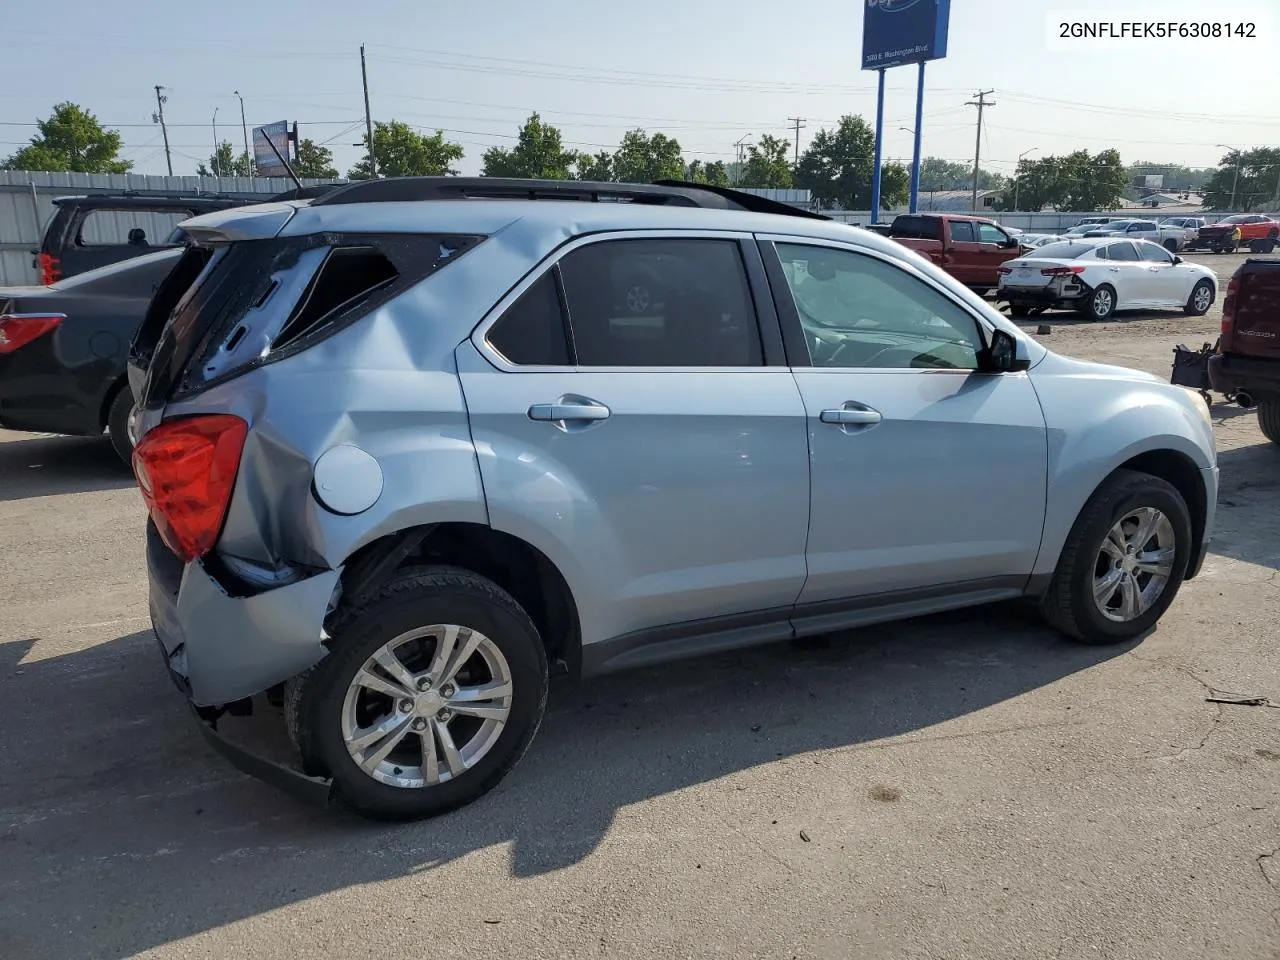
1005, 354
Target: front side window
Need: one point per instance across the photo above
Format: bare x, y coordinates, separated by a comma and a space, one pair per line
1154, 253
663, 302
858, 311
990, 234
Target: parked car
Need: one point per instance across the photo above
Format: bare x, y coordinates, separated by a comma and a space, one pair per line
93, 231
447, 462
1031, 241
1247, 363
1171, 238
1097, 276
63, 349
1190, 226
971, 249
1078, 231
1095, 221
1260, 234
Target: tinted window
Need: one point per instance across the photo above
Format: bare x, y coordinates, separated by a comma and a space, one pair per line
665, 303
532, 331
962, 230
917, 228
1061, 250
142, 228
1122, 251
858, 311
1154, 253
989, 234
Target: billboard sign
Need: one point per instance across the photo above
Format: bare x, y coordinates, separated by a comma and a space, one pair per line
895, 32
263, 158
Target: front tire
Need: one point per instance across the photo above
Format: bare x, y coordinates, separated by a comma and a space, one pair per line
1102, 304
1201, 299
432, 692
1122, 563
1269, 419
118, 424
1171, 246
1019, 311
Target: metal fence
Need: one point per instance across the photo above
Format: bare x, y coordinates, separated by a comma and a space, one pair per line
26, 206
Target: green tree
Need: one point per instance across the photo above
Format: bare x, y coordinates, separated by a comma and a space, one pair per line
224, 163
403, 152
539, 153
314, 161
643, 159
767, 164
939, 174
838, 165
714, 174
597, 167
1076, 181
73, 141
1255, 185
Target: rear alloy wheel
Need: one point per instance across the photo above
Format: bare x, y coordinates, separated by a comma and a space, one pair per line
1123, 561
1201, 299
118, 424
1103, 302
433, 690
1269, 419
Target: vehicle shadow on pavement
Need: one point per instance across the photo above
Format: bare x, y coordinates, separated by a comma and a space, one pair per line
129, 833
42, 466
1247, 526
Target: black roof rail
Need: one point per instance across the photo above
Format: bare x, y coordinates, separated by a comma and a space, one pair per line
664, 192
304, 193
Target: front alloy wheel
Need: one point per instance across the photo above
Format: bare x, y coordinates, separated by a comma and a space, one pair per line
1134, 565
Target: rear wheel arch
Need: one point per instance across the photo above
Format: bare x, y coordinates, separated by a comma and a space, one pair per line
518, 567
108, 398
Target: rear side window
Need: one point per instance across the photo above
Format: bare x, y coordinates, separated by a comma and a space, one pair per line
661, 302
532, 331
132, 227
347, 277
962, 231
1121, 251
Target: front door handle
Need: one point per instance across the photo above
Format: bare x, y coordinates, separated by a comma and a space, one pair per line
848, 415
563, 411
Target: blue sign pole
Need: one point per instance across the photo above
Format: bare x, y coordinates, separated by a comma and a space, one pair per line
875, 172
915, 157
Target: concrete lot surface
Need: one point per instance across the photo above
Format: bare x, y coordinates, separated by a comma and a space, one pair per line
969, 785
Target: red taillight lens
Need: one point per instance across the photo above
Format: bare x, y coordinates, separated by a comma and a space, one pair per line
186, 470
50, 269
1003, 270
19, 329
1060, 271
1229, 305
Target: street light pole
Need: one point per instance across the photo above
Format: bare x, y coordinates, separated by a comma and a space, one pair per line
244, 128
1017, 175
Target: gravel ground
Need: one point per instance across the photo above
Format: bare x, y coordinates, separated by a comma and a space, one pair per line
968, 785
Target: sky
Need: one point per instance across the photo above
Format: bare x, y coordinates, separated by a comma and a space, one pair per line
708, 73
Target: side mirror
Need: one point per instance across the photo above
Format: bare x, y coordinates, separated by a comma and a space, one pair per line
1176, 260
1006, 354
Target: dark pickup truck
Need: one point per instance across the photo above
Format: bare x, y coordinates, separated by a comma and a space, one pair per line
971, 249
1247, 364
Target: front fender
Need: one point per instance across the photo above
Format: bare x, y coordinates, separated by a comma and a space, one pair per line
1096, 423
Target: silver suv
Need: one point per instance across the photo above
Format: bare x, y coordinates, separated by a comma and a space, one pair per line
412, 447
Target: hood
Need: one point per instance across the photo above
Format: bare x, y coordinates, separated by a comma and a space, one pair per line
1056, 363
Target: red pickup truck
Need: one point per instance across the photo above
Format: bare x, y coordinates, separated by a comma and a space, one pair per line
1247, 364
971, 249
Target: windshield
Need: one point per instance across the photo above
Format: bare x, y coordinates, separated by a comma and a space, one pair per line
1062, 250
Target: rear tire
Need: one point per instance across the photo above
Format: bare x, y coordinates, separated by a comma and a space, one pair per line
118, 424
1069, 604
1171, 246
1102, 303
1269, 419
1019, 311
327, 708
1201, 299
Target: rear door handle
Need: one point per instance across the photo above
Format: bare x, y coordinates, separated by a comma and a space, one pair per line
851, 416
562, 411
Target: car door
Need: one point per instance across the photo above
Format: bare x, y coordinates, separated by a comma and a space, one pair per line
1167, 284
1127, 273
994, 248
928, 477
964, 255
649, 445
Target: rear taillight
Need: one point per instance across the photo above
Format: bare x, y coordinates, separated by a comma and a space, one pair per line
50, 269
1229, 305
186, 470
19, 329
1060, 271
1003, 270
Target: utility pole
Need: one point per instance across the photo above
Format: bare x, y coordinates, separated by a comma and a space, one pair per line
244, 129
368, 117
216, 172
158, 117
797, 124
981, 103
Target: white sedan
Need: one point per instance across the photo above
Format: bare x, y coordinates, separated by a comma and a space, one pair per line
1100, 276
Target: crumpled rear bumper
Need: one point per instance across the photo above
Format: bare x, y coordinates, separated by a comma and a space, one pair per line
222, 648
